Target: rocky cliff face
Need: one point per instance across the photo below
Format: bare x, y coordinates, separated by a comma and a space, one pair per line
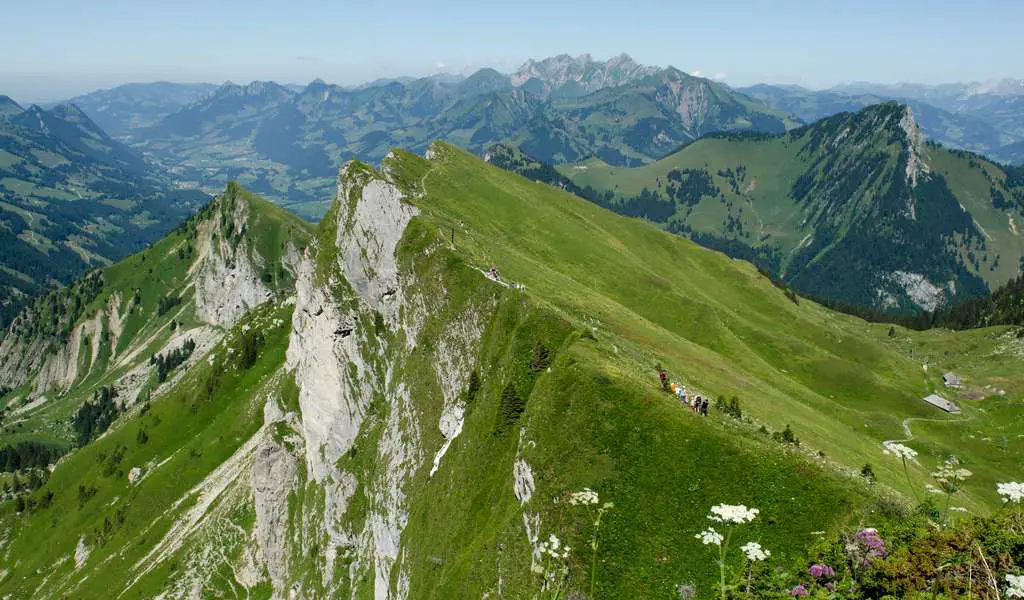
52, 364
227, 282
356, 332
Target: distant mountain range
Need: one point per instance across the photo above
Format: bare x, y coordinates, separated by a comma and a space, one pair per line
855, 209
126, 108
72, 198
287, 141
287, 144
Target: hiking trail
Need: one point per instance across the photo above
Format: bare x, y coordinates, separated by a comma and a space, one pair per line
905, 425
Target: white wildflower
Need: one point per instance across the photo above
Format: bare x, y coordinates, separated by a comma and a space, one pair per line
931, 489
754, 551
551, 546
732, 513
586, 496
1012, 491
899, 450
958, 509
950, 475
1015, 585
710, 536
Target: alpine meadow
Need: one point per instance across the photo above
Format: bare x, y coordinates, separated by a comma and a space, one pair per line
563, 328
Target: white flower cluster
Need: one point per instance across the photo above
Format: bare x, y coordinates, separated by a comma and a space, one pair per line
949, 476
709, 536
552, 545
755, 552
584, 497
555, 555
1015, 585
931, 489
1012, 491
899, 450
732, 513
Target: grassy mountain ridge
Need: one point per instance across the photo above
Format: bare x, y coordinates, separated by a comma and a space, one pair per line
978, 121
100, 332
346, 450
854, 208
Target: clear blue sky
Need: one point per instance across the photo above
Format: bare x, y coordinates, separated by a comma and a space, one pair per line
56, 48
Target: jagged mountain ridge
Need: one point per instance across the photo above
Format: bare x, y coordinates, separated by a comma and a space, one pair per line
355, 455
567, 76
856, 208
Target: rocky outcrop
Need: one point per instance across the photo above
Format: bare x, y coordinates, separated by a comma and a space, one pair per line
273, 472
227, 279
371, 219
916, 165
340, 370
351, 376
915, 287
454, 366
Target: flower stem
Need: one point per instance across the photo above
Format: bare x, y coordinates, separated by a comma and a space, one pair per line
913, 490
721, 561
593, 547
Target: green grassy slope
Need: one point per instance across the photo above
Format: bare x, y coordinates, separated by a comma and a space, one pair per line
840, 382
176, 433
190, 432
641, 297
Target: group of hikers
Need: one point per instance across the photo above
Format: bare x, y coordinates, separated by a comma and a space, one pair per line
697, 404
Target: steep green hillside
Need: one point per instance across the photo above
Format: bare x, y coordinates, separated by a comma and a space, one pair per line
72, 198
855, 208
407, 426
102, 330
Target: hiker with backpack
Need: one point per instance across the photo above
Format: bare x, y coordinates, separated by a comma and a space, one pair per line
704, 408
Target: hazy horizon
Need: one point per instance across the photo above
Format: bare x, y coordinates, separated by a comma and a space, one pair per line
74, 48
63, 94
